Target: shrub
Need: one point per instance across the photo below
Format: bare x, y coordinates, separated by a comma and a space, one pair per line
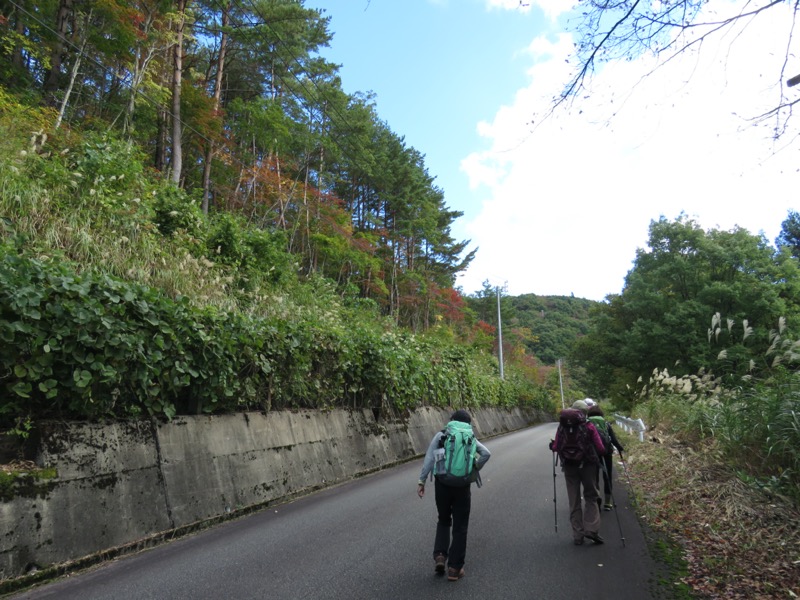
176, 211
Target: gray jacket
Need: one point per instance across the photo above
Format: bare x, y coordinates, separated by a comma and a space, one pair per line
427, 465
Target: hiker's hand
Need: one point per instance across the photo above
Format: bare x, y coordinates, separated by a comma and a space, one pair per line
421, 490
550, 445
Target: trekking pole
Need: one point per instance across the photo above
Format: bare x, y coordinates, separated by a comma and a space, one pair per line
555, 505
613, 501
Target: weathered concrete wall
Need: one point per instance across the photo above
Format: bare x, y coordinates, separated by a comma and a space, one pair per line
119, 483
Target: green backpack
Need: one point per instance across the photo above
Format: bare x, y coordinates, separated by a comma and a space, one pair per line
602, 428
455, 459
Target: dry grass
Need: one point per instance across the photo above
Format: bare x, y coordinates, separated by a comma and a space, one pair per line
738, 542
17, 466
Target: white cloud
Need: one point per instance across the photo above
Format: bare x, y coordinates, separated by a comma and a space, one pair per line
508, 5
567, 202
551, 8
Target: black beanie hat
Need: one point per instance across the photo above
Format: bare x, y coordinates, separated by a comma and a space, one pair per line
461, 415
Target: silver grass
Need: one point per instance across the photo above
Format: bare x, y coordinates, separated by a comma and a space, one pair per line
774, 345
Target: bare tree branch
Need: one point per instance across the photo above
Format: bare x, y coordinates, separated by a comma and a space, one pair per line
664, 30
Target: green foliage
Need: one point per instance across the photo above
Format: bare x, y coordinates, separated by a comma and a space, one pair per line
555, 322
176, 211
255, 255
105, 168
790, 233
119, 297
90, 345
661, 317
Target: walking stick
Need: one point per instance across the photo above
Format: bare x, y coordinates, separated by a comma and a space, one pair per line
555, 506
614, 502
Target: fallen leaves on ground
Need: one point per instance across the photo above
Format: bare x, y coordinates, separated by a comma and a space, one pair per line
738, 542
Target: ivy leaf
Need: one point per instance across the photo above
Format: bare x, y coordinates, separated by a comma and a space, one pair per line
82, 377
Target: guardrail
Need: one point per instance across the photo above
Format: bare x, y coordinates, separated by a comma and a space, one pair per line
631, 425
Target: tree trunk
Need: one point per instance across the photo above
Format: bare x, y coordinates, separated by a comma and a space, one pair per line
16, 56
223, 44
73, 76
160, 158
177, 73
142, 57
53, 77
74, 72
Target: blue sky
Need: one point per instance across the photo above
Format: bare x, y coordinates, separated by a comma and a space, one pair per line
561, 208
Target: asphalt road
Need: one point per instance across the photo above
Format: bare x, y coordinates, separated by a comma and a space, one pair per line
372, 538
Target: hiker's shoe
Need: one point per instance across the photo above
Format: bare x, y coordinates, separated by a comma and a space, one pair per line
440, 559
595, 537
454, 574
608, 506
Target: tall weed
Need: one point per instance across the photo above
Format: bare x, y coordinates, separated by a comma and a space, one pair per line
756, 427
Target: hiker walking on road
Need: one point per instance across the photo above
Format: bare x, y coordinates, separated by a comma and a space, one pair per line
454, 457
578, 446
608, 461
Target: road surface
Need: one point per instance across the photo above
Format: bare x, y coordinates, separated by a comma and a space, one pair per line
372, 538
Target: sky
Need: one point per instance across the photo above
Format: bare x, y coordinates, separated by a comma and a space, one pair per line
559, 206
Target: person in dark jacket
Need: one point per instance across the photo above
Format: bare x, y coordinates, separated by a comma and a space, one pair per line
453, 505
608, 461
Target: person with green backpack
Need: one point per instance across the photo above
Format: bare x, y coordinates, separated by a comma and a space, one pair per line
454, 459
595, 415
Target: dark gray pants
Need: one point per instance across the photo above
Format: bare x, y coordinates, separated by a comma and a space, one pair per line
586, 518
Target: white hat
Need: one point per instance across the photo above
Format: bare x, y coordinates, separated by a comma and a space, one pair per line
590, 403
580, 405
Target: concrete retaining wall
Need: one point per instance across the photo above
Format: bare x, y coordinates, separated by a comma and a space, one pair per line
120, 483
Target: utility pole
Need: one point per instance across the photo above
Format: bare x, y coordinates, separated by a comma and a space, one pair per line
560, 383
499, 334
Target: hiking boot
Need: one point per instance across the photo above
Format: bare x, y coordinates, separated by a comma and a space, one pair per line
440, 559
595, 537
608, 506
609, 503
454, 574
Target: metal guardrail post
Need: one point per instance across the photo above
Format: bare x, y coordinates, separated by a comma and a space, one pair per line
631, 425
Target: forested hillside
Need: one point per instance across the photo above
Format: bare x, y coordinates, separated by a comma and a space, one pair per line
545, 327
197, 218
556, 323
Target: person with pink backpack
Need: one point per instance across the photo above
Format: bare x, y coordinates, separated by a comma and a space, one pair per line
578, 447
